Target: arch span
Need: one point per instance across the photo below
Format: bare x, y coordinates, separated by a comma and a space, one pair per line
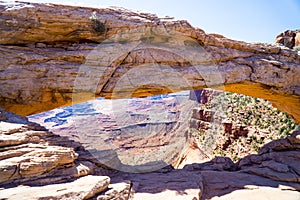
42, 57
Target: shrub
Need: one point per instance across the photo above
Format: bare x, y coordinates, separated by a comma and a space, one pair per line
281, 129
235, 158
98, 26
297, 48
255, 147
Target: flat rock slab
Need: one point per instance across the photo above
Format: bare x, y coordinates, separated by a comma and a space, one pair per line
173, 185
229, 185
82, 188
260, 193
116, 191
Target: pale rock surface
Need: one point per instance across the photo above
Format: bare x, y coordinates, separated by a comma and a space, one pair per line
273, 170
256, 193
116, 191
82, 188
297, 39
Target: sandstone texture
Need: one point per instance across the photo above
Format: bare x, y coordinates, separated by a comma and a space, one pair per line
55, 167
53, 55
82, 188
50, 51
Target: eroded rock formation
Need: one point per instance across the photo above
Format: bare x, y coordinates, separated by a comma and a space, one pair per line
289, 38
49, 166
51, 52
45, 48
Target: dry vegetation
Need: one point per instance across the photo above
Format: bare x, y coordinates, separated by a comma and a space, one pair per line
253, 121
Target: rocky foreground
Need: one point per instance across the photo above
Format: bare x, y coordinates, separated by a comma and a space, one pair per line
37, 164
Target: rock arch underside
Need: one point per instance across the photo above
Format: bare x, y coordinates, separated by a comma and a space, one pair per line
45, 50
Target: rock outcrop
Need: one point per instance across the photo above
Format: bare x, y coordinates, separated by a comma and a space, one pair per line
289, 38
46, 51
82, 188
50, 166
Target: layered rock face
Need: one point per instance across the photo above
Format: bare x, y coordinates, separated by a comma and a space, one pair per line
49, 51
52, 167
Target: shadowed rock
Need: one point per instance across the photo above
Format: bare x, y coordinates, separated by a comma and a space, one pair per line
39, 163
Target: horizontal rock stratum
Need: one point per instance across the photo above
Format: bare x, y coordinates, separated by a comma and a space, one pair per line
50, 51
37, 164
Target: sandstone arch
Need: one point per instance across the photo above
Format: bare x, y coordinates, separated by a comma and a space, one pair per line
41, 51
42, 48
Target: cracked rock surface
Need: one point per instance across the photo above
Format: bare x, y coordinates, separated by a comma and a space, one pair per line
47, 49
50, 166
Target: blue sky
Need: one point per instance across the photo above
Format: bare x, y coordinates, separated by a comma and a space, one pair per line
247, 20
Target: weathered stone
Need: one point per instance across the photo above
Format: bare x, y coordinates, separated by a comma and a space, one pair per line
274, 161
29, 151
226, 185
297, 39
82, 188
116, 191
53, 51
173, 185
36, 161
217, 164
289, 38
258, 192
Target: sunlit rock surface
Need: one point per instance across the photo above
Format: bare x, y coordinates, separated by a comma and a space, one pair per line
273, 171
45, 48
289, 39
55, 55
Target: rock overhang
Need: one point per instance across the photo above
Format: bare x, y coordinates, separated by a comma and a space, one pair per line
44, 46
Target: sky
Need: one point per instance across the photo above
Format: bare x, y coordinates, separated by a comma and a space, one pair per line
247, 20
